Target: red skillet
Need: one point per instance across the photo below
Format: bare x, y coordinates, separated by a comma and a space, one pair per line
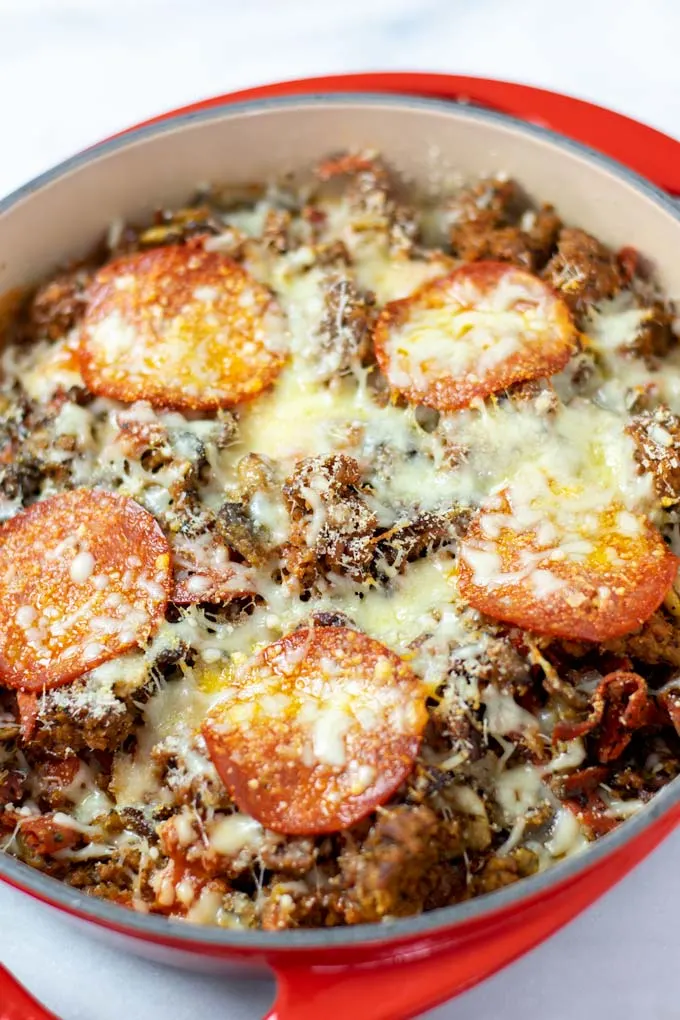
394, 972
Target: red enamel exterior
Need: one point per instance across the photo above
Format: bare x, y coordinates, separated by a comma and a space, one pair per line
16, 1003
396, 980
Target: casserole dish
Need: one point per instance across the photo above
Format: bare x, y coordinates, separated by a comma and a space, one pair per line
164, 162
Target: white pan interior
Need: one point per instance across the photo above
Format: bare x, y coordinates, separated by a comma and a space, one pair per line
63, 213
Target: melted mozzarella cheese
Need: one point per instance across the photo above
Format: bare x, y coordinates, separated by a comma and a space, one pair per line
519, 790
458, 462
230, 834
618, 378
503, 715
566, 835
614, 324
44, 368
579, 443
391, 278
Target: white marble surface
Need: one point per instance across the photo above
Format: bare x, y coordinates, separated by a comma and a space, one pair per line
72, 71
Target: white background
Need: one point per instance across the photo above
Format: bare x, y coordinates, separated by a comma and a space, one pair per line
73, 71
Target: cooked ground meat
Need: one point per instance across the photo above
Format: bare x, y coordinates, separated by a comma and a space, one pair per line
276, 231
403, 863
99, 710
498, 662
295, 905
344, 332
472, 242
657, 642
108, 880
81, 716
240, 532
486, 223
333, 254
371, 196
542, 229
53, 781
498, 872
255, 474
657, 439
321, 619
236, 524
282, 854
21, 480
12, 785
539, 393
170, 227
583, 270
331, 525
407, 540
491, 202
57, 306
188, 774
655, 335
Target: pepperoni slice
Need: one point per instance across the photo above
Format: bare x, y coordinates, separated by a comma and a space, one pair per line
84, 576
482, 328
28, 704
558, 567
621, 704
205, 572
182, 328
43, 835
317, 730
350, 164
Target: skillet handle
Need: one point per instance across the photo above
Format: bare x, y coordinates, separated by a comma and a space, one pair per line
649, 152
406, 988
418, 977
16, 1003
